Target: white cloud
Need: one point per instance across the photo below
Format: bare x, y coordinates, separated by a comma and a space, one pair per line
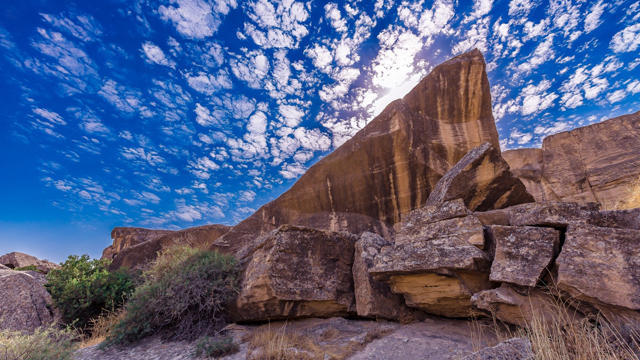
521, 8
543, 53
209, 83
196, 18
616, 96
247, 195
124, 99
206, 117
592, 20
149, 156
82, 27
52, 117
627, 39
292, 115
280, 26
332, 13
634, 87
202, 167
155, 55
535, 98
394, 63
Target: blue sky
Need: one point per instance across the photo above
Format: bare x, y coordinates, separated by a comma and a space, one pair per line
177, 113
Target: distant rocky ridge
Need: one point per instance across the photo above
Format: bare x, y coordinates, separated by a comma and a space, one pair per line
17, 260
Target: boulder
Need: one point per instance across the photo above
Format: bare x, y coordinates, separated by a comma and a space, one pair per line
512, 349
436, 269
298, 272
517, 306
483, 180
374, 299
390, 166
16, 260
522, 253
600, 264
25, 304
139, 255
584, 165
125, 237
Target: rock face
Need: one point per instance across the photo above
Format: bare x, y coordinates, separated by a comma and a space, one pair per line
25, 304
585, 165
374, 299
601, 264
483, 180
137, 256
298, 272
16, 260
522, 253
390, 166
125, 237
437, 266
518, 307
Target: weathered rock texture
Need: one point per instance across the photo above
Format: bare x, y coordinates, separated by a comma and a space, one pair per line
298, 272
596, 163
16, 260
374, 299
518, 307
390, 166
25, 304
137, 256
522, 253
512, 349
437, 266
125, 237
601, 264
483, 180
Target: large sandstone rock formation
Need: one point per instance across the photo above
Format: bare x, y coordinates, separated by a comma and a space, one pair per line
25, 303
298, 272
596, 163
389, 167
16, 260
136, 256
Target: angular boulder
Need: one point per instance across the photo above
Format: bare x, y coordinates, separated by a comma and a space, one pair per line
483, 180
390, 166
599, 264
436, 268
374, 298
517, 306
139, 255
16, 260
584, 165
25, 304
297, 272
522, 253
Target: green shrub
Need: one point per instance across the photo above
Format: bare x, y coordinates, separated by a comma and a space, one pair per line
28, 268
215, 346
83, 288
46, 343
184, 295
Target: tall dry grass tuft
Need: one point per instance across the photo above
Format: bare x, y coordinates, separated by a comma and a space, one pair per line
45, 343
280, 344
101, 326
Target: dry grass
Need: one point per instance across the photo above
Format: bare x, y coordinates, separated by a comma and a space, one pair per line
45, 343
280, 344
569, 336
101, 326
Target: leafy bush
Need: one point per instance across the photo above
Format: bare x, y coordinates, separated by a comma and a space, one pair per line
215, 346
184, 295
43, 344
83, 288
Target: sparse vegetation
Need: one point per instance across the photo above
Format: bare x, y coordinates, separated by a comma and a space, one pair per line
183, 296
100, 327
46, 343
215, 346
83, 288
28, 268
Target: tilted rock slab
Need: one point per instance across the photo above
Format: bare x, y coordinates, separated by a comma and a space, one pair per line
596, 163
125, 237
139, 255
517, 306
522, 253
374, 298
25, 304
298, 272
15, 260
436, 273
600, 264
390, 166
483, 180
